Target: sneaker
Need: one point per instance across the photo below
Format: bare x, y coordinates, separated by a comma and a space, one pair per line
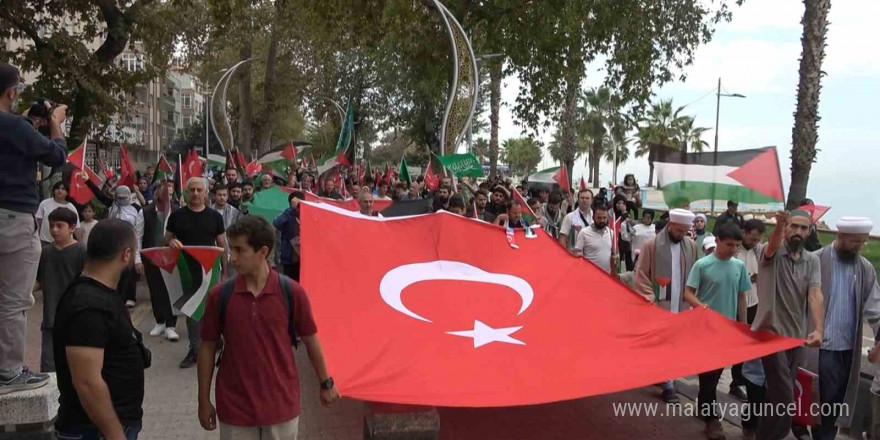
129, 303
171, 334
191, 359
714, 430
736, 391
157, 330
24, 381
670, 396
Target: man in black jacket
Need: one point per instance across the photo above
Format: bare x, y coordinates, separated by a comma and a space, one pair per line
22, 147
729, 216
155, 216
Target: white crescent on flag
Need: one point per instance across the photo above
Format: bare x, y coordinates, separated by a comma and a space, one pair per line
392, 284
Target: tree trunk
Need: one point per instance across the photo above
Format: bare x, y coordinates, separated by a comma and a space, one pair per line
652, 153
597, 160
804, 134
245, 104
265, 142
568, 124
118, 34
495, 108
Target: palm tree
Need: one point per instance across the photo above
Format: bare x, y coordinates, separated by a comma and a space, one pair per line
690, 137
657, 130
601, 118
804, 135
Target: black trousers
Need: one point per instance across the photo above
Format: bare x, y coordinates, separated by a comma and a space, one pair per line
736, 371
756, 398
159, 299
291, 270
707, 395
780, 369
834, 368
128, 284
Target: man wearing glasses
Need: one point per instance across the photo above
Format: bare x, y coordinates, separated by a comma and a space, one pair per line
21, 148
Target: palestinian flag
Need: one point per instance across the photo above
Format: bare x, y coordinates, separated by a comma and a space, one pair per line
748, 176
269, 203
346, 134
163, 170
189, 275
561, 177
279, 161
544, 176
216, 161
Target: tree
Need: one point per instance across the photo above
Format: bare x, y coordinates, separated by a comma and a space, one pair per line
481, 150
659, 129
804, 134
604, 126
74, 45
690, 137
644, 42
190, 138
522, 154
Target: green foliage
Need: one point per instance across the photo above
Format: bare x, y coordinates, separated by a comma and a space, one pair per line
74, 45
192, 137
394, 146
522, 154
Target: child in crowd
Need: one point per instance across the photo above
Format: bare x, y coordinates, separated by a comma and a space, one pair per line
60, 263
86, 224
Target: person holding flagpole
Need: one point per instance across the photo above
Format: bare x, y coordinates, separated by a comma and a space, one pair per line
195, 225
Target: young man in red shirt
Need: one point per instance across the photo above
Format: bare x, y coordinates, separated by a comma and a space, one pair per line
258, 393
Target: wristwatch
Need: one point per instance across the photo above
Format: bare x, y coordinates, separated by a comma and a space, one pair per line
327, 384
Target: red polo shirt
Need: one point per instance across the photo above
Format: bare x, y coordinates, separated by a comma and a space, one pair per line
257, 381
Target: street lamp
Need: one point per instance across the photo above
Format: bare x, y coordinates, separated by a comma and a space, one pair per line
207, 97
470, 129
718, 96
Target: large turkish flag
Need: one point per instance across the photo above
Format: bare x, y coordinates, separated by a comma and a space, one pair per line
438, 309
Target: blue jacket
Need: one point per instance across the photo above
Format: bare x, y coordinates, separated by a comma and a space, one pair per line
21, 148
288, 224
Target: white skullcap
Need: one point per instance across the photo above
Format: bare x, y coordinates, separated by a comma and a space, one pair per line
709, 243
702, 216
681, 217
854, 225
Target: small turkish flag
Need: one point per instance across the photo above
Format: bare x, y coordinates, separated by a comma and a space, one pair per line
126, 169
79, 191
433, 322
77, 157
806, 392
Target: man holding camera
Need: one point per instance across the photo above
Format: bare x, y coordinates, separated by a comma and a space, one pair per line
21, 148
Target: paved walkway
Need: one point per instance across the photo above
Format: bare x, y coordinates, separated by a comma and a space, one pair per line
170, 405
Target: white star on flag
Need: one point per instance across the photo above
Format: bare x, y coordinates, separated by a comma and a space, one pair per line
482, 334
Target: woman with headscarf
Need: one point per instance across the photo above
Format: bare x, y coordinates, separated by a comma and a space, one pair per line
700, 233
123, 209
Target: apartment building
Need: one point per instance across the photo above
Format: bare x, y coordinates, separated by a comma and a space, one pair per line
164, 107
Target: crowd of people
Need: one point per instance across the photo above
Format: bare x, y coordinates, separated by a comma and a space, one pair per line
88, 270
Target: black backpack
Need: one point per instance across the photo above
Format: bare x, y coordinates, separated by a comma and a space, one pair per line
286, 292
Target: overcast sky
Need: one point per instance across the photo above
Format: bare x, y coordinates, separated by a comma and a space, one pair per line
757, 55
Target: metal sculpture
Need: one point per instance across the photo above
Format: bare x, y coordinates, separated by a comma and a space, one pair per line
218, 104
462, 99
